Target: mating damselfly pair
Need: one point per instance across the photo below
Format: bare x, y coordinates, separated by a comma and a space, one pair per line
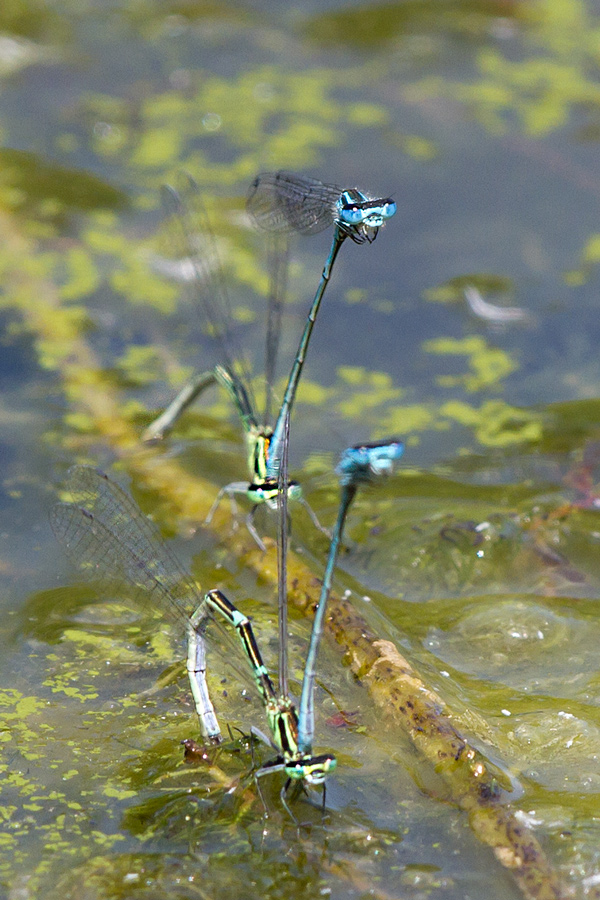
108, 537
110, 540
278, 203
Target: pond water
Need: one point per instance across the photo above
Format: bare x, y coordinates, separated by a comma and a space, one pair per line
470, 329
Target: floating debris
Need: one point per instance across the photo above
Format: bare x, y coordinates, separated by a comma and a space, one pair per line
498, 315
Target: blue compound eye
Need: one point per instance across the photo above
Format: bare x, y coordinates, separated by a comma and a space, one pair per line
388, 210
352, 215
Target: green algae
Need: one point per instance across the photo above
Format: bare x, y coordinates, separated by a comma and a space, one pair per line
489, 365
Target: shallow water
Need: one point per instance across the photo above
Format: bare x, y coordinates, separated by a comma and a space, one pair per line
478, 560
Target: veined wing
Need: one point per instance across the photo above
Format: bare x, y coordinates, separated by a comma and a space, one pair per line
283, 201
193, 245
109, 539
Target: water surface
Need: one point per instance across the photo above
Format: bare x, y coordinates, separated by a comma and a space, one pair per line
479, 560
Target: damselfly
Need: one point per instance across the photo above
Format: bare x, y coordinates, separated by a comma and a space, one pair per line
282, 716
106, 535
293, 732
199, 268
281, 202
358, 465
110, 540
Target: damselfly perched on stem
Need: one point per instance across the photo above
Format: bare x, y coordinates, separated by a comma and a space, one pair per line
198, 266
282, 717
110, 540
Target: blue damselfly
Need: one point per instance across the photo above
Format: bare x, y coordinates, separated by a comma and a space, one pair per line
198, 266
358, 465
281, 202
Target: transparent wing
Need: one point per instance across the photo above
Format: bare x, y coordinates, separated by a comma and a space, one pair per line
195, 255
282, 201
108, 538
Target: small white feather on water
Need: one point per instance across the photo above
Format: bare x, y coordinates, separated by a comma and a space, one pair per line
498, 315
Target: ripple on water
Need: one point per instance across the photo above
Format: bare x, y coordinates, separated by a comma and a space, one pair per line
558, 750
522, 645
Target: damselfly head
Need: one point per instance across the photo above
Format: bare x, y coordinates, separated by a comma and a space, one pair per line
311, 769
356, 210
